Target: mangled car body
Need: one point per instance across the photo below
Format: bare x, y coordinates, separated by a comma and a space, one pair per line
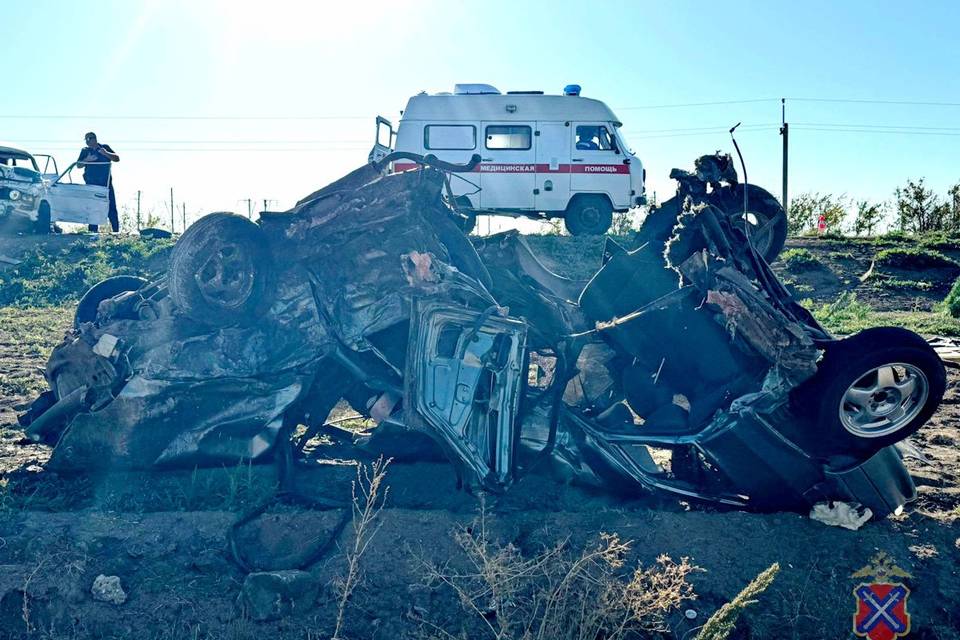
682, 367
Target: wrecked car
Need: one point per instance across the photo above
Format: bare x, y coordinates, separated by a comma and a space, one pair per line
47, 196
682, 368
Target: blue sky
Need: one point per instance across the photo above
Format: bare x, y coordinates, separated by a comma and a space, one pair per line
340, 64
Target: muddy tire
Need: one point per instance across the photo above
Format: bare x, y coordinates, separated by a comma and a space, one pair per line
87, 308
588, 216
42, 225
766, 217
220, 271
871, 390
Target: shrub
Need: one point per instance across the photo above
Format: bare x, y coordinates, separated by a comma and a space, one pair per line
558, 594
951, 304
799, 260
914, 258
43, 278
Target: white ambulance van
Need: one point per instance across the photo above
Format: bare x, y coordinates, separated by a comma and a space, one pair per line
541, 156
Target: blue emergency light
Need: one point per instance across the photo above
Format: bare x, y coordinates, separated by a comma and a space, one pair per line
571, 90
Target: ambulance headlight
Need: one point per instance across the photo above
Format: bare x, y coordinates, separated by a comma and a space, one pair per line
14, 194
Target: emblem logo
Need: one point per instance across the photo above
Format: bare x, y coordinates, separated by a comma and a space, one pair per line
881, 612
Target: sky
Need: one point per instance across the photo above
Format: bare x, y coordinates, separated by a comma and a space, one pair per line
229, 101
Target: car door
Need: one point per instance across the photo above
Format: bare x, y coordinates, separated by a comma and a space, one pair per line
596, 163
81, 203
552, 189
508, 166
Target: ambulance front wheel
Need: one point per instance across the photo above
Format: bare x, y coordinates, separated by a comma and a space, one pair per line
588, 216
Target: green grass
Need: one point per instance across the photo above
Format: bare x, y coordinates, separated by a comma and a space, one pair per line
848, 315
54, 278
951, 304
914, 258
883, 281
29, 335
799, 260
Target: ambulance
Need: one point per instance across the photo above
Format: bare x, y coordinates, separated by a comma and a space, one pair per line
541, 156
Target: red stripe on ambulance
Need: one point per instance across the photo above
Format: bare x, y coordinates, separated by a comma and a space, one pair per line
494, 167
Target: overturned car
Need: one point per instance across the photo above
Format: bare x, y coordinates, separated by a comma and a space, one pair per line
683, 367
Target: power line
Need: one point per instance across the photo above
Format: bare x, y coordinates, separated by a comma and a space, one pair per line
875, 126
697, 104
893, 132
918, 103
718, 127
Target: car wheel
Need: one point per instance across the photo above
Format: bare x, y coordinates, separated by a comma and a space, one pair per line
765, 221
90, 302
588, 216
220, 270
43, 218
871, 390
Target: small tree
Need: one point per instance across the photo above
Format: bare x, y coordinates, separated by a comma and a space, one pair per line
806, 209
953, 196
869, 216
919, 209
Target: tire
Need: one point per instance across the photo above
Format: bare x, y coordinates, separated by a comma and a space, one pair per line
764, 212
87, 307
588, 216
42, 225
153, 233
220, 271
862, 399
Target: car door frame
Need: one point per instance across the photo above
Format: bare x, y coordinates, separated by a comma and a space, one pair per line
79, 203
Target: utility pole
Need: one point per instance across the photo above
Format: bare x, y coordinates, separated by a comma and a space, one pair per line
785, 132
138, 209
249, 202
184, 205
173, 212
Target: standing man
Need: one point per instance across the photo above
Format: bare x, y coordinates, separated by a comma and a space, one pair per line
95, 159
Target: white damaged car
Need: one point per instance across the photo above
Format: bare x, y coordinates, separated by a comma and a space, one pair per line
47, 196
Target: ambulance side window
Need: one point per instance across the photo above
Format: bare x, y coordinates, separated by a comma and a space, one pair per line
594, 138
450, 137
509, 137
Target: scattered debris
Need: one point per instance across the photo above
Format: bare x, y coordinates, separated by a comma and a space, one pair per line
841, 514
273, 595
108, 589
948, 349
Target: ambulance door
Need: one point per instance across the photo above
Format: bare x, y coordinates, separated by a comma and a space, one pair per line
508, 166
552, 191
596, 163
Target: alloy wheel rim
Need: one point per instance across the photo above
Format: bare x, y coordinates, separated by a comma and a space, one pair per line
884, 400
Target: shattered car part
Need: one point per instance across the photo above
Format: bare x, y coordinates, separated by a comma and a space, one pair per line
683, 367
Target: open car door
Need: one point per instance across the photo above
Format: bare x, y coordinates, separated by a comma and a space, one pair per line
80, 203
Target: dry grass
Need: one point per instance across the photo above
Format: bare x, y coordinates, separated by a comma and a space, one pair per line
557, 594
369, 494
722, 623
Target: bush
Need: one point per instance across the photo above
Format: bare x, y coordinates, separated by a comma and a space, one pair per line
846, 314
914, 258
559, 594
44, 278
951, 304
799, 260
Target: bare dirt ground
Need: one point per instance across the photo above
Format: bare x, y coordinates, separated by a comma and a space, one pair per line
165, 534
